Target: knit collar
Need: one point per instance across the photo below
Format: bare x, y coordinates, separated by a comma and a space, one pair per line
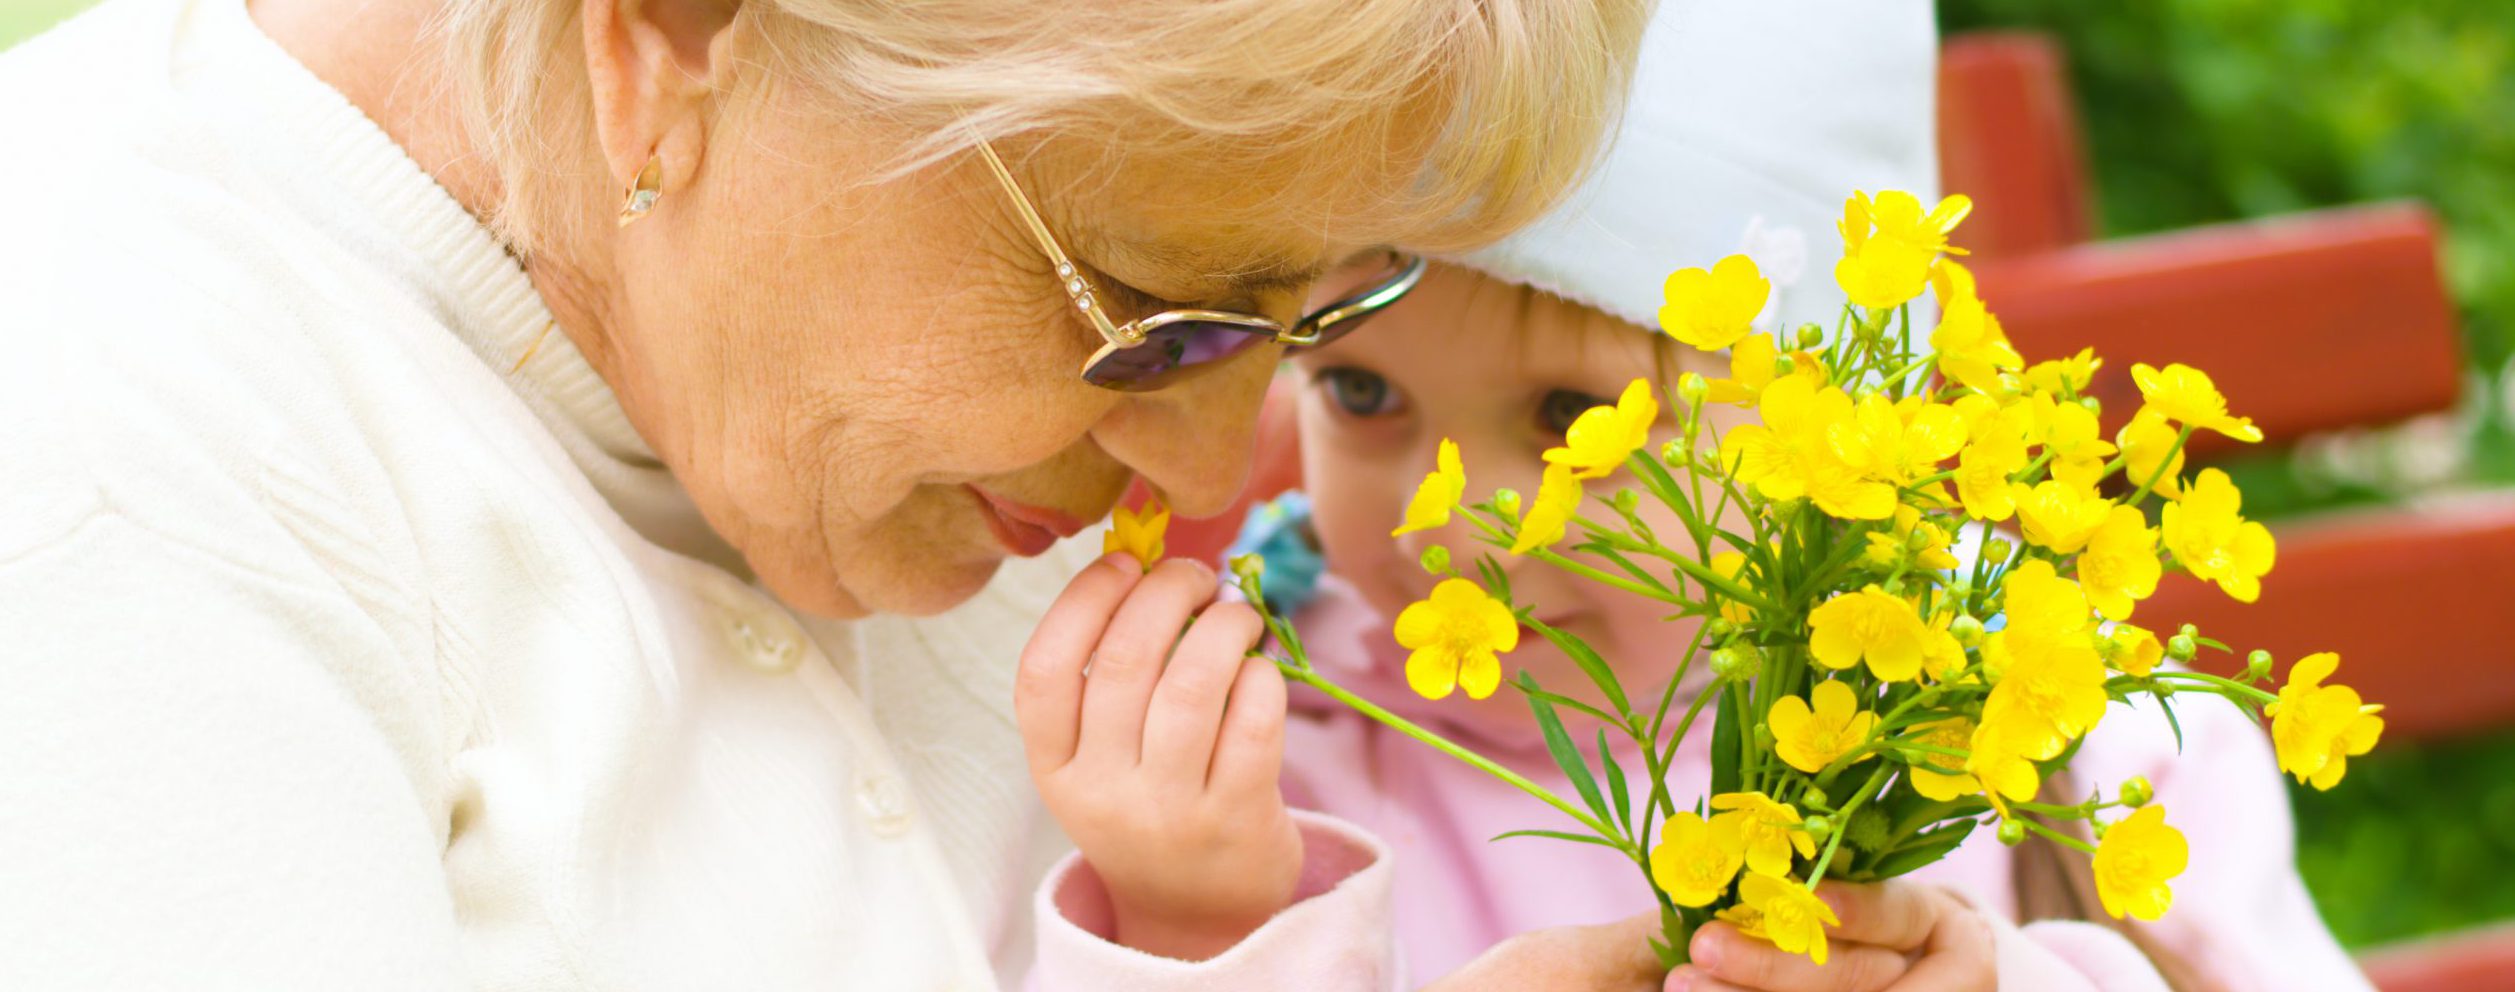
373, 199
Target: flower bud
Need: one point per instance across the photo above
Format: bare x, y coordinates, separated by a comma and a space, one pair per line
1968, 631
1675, 454
1737, 662
1625, 502
1918, 540
1718, 629
2012, 832
1998, 549
2189, 631
2182, 647
1435, 560
2135, 792
1814, 798
1249, 568
1691, 387
1810, 336
1818, 826
1506, 502
2257, 665
2093, 405
1764, 736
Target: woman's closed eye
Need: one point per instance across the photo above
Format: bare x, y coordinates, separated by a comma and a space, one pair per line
1560, 407
1357, 393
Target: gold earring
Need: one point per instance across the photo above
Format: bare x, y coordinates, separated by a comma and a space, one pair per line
643, 191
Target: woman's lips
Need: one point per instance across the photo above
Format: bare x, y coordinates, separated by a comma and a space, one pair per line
1023, 529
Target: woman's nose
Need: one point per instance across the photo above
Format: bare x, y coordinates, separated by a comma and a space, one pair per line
1192, 443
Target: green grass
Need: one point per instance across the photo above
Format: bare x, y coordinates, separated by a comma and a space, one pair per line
2410, 843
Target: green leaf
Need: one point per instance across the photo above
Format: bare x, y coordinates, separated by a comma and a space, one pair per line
1615, 783
2174, 723
1728, 744
1566, 702
1591, 665
1924, 849
1567, 756
1497, 582
1560, 835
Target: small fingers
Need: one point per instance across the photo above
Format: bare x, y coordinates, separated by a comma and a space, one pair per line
1249, 756
1187, 707
1048, 684
1894, 914
1129, 660
1720, 952
1960, 956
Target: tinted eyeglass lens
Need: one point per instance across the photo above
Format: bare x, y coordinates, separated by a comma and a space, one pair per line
1169, 350
1350, 285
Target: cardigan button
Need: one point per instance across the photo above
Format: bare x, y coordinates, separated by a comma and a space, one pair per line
765, 647
883, 801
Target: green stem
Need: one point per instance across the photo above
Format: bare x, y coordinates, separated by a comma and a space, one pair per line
2163, 464
2056, 836
1842, 825
2224, 684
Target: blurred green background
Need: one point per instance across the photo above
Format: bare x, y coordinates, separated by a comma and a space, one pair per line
2198, 111
2208, 110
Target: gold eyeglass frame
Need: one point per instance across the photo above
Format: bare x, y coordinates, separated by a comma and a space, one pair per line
1115, 337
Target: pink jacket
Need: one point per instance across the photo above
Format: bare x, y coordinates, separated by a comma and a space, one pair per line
1420, 869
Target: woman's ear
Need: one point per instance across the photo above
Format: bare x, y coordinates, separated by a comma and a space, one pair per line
653, 67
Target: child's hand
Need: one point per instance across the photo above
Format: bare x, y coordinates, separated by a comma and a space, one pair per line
1159, 751
1896, 936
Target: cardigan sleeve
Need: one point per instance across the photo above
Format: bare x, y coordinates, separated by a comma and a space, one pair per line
199, 789
1336, 936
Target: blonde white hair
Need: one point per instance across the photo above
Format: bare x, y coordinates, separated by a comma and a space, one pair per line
1492, 109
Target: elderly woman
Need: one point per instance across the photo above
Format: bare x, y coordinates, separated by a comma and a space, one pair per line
465, 465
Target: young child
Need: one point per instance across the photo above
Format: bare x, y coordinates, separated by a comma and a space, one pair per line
1168, 779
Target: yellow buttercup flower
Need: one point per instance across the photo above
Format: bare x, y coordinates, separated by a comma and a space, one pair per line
2070, 432
2317, 728
1746, 918
2145, 442
1765, 829
2213, 541
1941, 776
1752, 365
2049, 693
2065, 377
1558, 498
1997, 759
1439, 491
1789, 455
1895, 215
2133, 650
1694, 860
2043, 606
1601, 438
1882, 442
2138, 854
1889, 547
1712, 309
2185, 395
1810, 739
1972, 349
2119, 567
1727, 565
1883, 274
1996, 452
1456, 635
2058, 516
1794, 918
1941, 656
1138, 532
1867, 625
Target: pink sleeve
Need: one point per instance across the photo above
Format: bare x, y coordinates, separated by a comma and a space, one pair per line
1336, 936
2241, 914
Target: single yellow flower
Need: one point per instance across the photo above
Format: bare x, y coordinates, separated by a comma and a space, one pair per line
1883, 274
2065, 377
1997, 759
1895, 215
1941, 656
1765, 827
1456, 635
1727, 565
2138, 854
1942, 776
1794, 918
2048, 694
2317, 728
2071, 433
1811, 739
1867, 625
1558, 498
1602, 437
1752, 366
1972, 349
1894, 445
2145, 442
1712, 309
1789, 456
2119, 567
2133, 650
1138, 532
1996, 452
2185, 395
2042, 606
1746, 918
1694, 860
2213, 541
2058, 516
1439, 491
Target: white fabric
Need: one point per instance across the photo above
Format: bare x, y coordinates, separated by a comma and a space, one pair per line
335, 656
1750, 122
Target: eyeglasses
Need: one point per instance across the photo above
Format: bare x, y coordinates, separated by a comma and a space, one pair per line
1162, 349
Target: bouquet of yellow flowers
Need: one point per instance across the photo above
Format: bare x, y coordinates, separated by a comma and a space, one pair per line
1872, 697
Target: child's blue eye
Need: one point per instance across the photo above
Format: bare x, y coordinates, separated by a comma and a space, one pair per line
1563, 406
1358, 393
